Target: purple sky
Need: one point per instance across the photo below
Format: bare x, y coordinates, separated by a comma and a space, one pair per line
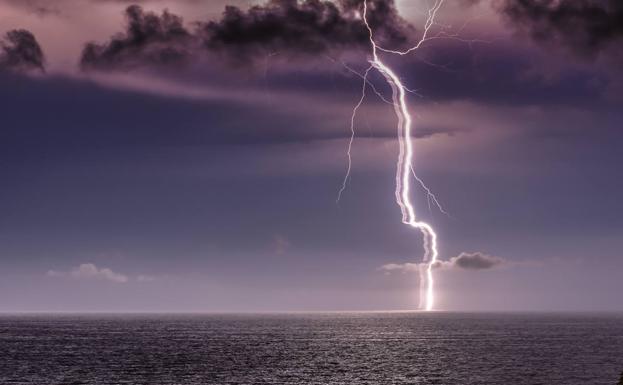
195, 166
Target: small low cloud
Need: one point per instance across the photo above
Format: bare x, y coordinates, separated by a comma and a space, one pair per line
89, 271
401, 267
463, 261
473, 261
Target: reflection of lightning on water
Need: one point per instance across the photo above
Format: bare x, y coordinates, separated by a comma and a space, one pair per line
404, 166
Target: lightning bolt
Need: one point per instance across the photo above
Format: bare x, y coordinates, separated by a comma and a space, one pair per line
404, 165
352, 132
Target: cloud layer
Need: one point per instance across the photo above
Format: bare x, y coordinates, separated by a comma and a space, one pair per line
310, 27
586, 27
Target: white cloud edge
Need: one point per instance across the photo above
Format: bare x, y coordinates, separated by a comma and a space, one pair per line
90, 271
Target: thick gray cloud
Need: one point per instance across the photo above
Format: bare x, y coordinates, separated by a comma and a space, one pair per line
288, 27
149, 38
306, 28
587, 27
20, 51
485, 72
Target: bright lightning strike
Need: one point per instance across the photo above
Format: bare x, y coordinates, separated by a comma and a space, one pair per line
404, 165
430, 197
352, 132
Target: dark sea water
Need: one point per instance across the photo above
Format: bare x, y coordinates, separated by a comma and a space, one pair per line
353, 348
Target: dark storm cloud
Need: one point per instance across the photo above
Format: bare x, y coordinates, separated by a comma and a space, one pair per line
473, 261
307, 28
20, 51
149, 38
587, 27
287, 27
493, 73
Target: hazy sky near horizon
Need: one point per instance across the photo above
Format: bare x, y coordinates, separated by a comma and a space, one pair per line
194, 166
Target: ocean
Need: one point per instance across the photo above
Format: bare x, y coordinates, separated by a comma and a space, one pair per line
319, 348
